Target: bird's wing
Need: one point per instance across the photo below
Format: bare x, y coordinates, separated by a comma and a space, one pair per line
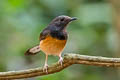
44, 34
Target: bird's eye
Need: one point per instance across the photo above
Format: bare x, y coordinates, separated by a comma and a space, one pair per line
62, 19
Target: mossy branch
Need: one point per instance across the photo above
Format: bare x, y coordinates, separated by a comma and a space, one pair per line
69, 59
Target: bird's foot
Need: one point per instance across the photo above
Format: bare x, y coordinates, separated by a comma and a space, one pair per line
60, 61
45, 68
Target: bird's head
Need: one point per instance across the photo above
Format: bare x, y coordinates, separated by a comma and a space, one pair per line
61, 22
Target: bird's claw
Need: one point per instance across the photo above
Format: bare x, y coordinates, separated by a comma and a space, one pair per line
60, 61
45, 68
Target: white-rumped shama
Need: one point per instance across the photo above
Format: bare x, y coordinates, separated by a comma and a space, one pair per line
53, 39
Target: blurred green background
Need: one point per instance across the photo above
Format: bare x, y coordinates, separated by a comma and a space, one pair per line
21, 22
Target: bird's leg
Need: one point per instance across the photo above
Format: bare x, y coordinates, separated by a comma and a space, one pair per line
60, 60
45, 65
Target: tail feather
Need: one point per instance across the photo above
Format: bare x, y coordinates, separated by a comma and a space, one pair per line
33, 50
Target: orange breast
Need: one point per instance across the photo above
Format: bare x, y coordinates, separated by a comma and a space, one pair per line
52, 46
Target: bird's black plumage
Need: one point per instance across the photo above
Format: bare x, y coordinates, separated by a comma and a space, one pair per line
55, 33
59, 35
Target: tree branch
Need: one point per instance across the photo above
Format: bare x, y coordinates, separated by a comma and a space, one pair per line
69, 59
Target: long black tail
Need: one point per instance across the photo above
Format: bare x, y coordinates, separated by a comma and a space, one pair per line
32, 51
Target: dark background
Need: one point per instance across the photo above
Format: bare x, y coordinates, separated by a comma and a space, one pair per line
96, 32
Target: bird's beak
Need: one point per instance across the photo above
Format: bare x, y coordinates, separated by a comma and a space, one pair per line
74, 18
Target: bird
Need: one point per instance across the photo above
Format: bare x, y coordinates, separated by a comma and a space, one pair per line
53, 39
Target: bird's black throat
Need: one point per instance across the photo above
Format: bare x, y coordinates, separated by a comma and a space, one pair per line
61, 35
